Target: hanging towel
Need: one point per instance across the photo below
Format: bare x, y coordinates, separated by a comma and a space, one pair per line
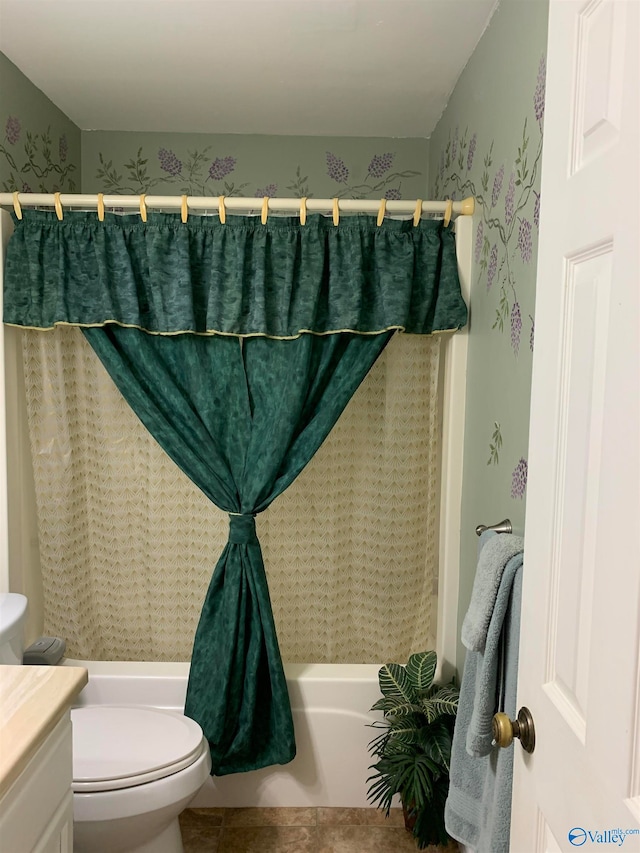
478, 807
495, 553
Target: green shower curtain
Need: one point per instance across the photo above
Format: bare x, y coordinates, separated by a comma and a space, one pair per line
238, 346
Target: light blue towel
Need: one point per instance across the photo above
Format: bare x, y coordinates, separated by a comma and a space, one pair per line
495, 553
478, 807
490, 665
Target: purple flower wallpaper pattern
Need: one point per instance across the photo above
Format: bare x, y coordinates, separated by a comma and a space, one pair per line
524, 240
533, 333
519, 479
33, 161
497, 186
12, 130
509, 200
221, 167
336, 168
516, 326
479, 241
271, 190
472, 150
63, 148
193, 173
380, 163
493, 265
379, 180
169, 163
204, 172
539, 94
536, 210
507, 188
501, 241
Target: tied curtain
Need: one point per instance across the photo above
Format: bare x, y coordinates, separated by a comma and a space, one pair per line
241, 422
238, 346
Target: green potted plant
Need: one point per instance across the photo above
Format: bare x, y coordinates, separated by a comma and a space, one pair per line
413, 748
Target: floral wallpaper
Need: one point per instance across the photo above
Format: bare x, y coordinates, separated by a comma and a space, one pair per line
254, 166
488, 144
505, 230
502, 237
34, 162
39, 145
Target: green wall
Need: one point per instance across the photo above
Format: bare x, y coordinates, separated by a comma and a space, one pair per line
488, 144
39, 145
229, 164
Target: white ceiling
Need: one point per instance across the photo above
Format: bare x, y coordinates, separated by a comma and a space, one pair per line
310, 67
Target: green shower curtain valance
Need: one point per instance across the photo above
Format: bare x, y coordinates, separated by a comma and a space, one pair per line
241, 278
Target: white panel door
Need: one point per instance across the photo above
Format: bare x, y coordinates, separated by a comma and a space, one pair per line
580, 636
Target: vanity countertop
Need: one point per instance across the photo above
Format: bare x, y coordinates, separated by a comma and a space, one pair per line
32, 700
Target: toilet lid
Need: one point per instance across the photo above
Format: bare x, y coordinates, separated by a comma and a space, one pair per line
114, 745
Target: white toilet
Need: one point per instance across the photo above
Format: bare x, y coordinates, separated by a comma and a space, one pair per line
134, 769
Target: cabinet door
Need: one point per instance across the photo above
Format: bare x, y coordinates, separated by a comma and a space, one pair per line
36, 813
58, 835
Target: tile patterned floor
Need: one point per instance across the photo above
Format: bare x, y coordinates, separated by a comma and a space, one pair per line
297, 830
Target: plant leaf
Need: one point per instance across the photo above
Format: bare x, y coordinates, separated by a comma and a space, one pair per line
421, 669
394, 681
429, 710
438, 745
395, 705
446, 700
405, 734
402, 710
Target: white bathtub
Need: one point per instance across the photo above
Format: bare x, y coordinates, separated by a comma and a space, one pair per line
330, 704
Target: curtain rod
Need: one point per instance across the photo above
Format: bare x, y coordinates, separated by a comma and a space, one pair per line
235, 203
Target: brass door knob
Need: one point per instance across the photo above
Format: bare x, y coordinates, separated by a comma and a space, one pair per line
504, 729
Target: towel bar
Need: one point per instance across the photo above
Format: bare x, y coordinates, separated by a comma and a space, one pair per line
501, 527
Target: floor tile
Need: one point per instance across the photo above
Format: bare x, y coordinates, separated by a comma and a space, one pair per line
270, 817
199, 834
213, 817
364, 839
268, 839
359, 817
293, 830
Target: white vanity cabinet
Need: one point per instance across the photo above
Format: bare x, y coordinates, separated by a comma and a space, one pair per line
36, 800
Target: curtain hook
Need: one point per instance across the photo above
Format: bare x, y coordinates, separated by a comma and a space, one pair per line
336, 211
16, 205
222, 210
58, 205
143, 207
101, 207
382, 211
265, 209
303, 210
447, 212
418, 213
184, 209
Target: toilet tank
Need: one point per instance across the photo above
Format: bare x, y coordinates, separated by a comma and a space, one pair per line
13, 609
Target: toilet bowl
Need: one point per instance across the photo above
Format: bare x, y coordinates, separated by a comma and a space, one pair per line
134, 770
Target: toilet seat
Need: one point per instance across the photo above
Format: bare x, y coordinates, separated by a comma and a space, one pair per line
118, 746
